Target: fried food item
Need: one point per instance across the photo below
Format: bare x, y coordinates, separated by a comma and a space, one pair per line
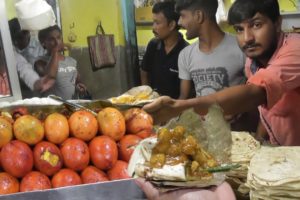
123, 99
135, 95
175, 147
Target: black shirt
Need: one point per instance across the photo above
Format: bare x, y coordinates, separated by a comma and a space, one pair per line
163, 68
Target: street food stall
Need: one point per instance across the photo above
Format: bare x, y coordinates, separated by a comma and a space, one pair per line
79, 159
254, 171
54, 149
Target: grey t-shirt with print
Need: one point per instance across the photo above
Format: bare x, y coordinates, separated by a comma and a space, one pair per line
65, 79
211, 72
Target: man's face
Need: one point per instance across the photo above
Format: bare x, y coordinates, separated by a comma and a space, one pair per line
22, 39
54, 40
161, 27
258, 36
188, 21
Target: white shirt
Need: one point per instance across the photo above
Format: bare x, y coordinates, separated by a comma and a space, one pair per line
26, 71
32, 51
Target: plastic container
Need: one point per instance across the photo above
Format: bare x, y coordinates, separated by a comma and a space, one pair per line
34, 15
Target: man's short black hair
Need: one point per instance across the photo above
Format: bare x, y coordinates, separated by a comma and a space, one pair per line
43, 34
168, 10
17, 34
209, 7
14, 28
246, 9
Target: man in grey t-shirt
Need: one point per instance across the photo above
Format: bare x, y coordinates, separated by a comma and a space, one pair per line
210, 72
67, 78
215, 61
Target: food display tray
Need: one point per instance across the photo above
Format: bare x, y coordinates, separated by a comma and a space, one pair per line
111, 190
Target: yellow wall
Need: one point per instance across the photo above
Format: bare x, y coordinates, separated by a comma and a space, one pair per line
85, 15
144, 35
10, 9
288, 5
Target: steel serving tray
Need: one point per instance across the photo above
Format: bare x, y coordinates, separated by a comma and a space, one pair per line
113, 190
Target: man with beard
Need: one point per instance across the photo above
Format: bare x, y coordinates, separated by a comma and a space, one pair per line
159, 67
273, 69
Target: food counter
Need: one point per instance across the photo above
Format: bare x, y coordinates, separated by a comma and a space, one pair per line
243, 150
113, 190
40, 108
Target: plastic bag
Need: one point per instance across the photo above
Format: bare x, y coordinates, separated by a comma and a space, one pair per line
34, 15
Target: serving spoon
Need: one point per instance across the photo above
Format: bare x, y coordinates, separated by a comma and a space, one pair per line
73, 105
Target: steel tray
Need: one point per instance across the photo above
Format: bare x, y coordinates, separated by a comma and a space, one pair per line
112, 190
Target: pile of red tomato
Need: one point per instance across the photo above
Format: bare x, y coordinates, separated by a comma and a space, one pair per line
60, 150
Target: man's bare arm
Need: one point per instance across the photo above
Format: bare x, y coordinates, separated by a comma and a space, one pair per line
53, 64
43, 84
48, 71
144, 77
234, 100
185, 89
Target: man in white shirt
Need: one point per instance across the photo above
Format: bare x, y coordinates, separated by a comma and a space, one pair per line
27, 45
31, 83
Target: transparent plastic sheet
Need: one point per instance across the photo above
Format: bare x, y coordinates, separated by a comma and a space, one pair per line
212, 132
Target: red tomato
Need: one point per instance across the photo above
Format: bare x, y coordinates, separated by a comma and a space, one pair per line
8, 184
127, 145
83, 125
104, 152
138, 122
65, 177
47, 158
17, 158
35, 181
75, 153
92, 174
56, 128
28, 129
119, 171
111, 123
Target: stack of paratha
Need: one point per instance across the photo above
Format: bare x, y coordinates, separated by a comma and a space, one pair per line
243, 149
274, 173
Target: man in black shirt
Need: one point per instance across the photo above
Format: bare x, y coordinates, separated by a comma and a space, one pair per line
159, 66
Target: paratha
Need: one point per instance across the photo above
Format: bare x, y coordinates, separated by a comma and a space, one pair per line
273, 166
243, 147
